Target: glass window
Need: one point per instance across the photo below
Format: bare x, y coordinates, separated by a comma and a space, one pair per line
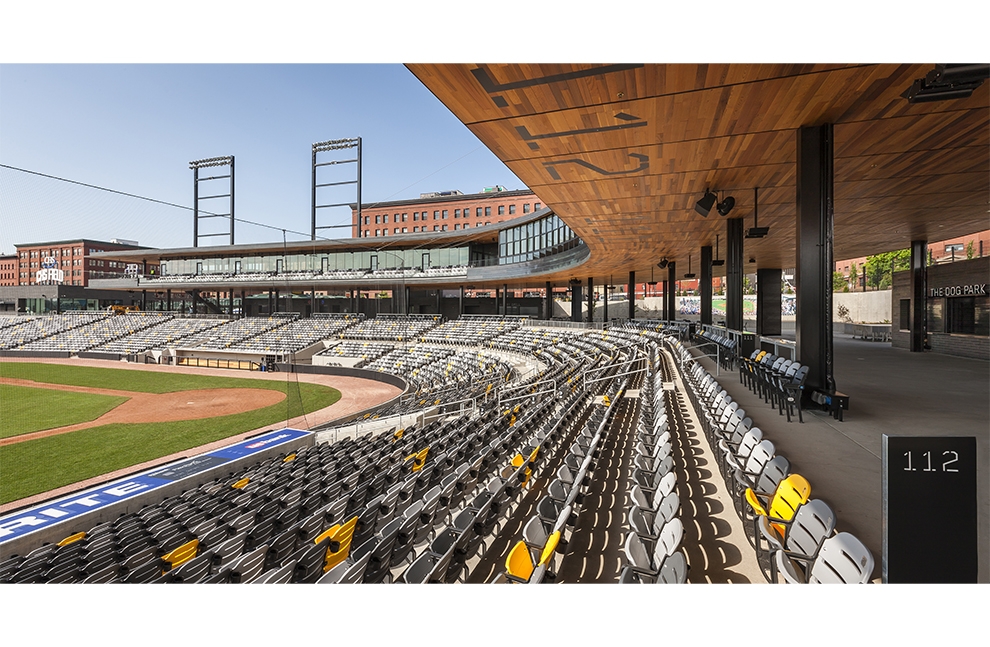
378, 220
436, 215
404, 216
466, 225
444, 214
457, 226
961, 315
405, 230
488, 211
935, 319
536, 206
477, 212
512, 209
501, 209
457, 213
436, 228
444, 228
525, 207
396, 230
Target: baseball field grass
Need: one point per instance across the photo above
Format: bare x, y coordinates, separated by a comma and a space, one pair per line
27, 409
42, 464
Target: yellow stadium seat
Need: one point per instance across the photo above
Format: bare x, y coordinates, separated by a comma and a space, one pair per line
240, 484
519, 564
71, 539
791, 493
182, 554
340, 544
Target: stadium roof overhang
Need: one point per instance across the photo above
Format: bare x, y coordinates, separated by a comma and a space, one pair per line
623, 152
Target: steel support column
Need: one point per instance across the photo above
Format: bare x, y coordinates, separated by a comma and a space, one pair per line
591, 299
631, 293
706, 284
605, 304
548, 298
505, 300
670, 296
919, 294
576, 301
734, 274
168, 300
663, 303
814, 255
460, 302
768, 301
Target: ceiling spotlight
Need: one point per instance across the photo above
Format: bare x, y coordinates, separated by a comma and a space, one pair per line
705, 204
663, 263
690, 274
756, 231
752, 260
725, 206
717, 262
953, 81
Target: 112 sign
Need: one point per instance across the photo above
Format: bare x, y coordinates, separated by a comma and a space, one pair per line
948, 458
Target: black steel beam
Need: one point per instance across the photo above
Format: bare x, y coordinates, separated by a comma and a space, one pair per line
734, 274
768, 301
815, 200
919, 295
706, 284
631, 293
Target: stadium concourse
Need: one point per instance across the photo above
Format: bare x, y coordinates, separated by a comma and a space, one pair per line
519, 452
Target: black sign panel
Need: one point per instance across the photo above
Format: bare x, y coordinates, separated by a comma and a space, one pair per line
929, 509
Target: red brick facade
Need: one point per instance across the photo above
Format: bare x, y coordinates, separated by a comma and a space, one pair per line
8, 270
445, 213
72, 257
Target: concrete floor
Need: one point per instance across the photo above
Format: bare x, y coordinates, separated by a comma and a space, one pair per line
894, 392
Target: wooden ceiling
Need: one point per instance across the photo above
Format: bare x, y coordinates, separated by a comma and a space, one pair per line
623, 152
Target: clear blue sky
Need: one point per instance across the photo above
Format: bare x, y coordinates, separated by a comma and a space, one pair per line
134, 128
75, 103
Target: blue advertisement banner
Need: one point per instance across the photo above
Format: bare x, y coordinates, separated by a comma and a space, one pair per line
40, 516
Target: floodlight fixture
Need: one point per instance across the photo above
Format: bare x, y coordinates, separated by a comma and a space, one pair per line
756, 231
663, 263
705, 204
947, 81
690, 274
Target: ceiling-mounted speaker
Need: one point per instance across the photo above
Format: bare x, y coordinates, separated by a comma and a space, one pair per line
725, 206
705, 204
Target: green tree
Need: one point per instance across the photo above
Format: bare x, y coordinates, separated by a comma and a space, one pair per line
970, 252
854, 275
838, 282
879, 267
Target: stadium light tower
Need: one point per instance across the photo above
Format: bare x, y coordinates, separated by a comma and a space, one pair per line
208, 163
335, 145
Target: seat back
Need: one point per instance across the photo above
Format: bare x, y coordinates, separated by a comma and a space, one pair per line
669, 540
759, 457
635, 552
813, 523
792, 493
843, 559
773, 473
674, 569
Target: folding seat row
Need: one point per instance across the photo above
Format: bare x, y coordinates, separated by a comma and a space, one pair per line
767, 496
779, 381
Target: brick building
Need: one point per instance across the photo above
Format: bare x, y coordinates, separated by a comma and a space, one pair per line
442, 211
944, 251
8, 269
72, 257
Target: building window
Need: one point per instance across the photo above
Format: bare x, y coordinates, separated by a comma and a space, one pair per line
457, 213
512, 209
415, 216
436, 228
488, 212
457, 226
378, 232
444, 217
967, 315
436, 215
405, 230
501, 209
466, 225
395, 231
477, 212
525, 207
444, 228
378, 220
404, 216
536, 206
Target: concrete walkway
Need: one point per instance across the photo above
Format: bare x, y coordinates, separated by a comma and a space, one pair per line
894, 392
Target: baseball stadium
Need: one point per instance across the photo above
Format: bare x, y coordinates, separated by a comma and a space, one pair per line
504, 402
